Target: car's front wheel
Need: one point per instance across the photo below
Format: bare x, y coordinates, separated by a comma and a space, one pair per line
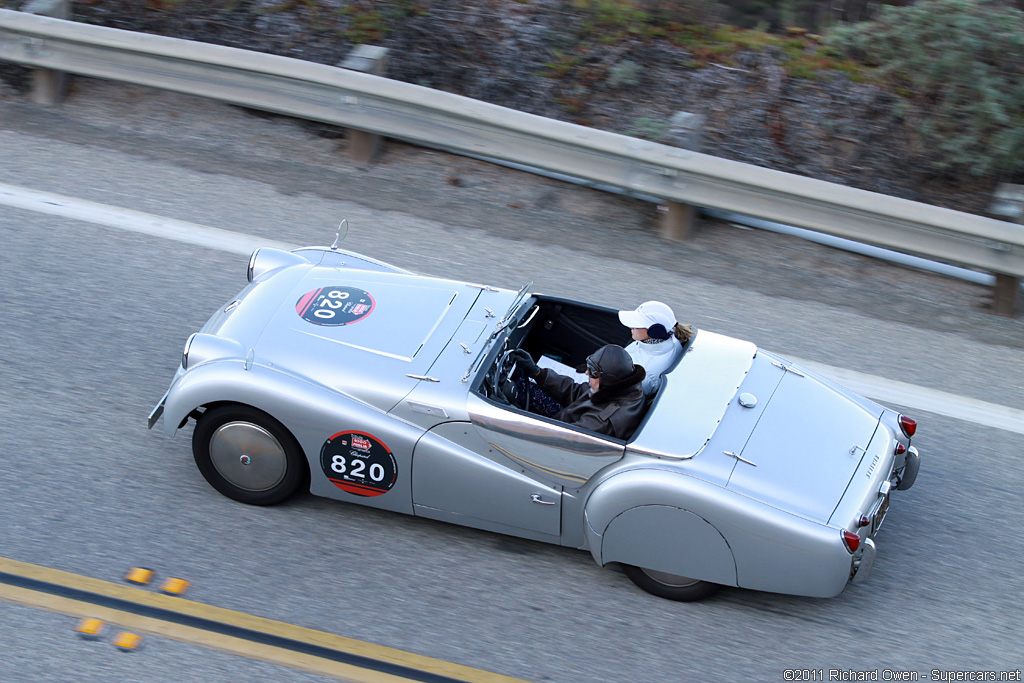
670, 586
247, 455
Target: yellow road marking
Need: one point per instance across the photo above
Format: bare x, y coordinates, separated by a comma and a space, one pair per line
219, 641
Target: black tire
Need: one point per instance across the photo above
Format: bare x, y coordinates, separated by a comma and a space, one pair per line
229, 440
671, 587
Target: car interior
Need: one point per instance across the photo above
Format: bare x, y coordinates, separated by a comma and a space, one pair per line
568, 331
561, 329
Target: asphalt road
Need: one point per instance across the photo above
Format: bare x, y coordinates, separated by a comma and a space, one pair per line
93, 320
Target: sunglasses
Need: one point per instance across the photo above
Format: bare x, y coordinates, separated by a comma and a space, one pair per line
593, 372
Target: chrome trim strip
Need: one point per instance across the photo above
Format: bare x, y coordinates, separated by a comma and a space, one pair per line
537, 429
437, 323
540, 468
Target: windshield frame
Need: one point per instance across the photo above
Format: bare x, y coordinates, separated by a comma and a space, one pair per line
507, 319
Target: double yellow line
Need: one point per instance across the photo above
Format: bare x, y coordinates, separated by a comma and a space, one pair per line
226, 630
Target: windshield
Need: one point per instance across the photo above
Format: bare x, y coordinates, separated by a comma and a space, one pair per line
509, 316
503, 323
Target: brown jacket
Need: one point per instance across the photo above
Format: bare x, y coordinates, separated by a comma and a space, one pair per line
615, 410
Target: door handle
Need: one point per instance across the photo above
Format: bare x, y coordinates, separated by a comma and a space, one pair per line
535, 497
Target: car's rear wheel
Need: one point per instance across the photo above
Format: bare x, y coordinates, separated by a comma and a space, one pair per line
247, 455
670, 586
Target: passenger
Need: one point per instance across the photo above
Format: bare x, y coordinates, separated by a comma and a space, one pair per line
611, 403
657, 340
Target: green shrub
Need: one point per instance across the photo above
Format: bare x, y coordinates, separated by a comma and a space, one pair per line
959, 67
649, 128
623, 74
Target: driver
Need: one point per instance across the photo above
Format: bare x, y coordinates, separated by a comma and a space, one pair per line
611, 403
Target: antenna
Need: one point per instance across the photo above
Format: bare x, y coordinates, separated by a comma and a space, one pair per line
342, 231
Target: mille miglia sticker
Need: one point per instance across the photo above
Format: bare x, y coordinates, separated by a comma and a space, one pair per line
359, 463
335, 305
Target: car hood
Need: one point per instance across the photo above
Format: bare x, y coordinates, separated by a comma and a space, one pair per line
360, 332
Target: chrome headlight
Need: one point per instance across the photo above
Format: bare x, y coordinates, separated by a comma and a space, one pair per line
184, 352
202, 347
265, 259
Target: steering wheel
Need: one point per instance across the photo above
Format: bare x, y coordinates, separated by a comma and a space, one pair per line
504, 386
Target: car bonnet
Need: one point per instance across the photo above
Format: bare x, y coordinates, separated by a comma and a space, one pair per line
364, 332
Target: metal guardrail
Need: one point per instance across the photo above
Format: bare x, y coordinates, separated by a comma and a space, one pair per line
438, 119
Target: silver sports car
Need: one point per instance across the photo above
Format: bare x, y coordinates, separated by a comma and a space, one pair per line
393, 390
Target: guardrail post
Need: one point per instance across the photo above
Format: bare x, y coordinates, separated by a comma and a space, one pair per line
1008, 201
1005, 295
49, 87
371, 59
676, 220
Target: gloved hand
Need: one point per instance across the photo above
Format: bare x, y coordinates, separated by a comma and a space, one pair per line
525, 362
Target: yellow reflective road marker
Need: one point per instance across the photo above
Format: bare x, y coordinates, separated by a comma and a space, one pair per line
90, 629
127, 642
139, 575
144, 612
175, 586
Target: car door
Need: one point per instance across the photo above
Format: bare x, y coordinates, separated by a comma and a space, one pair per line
459, 477
546, 449
505, 470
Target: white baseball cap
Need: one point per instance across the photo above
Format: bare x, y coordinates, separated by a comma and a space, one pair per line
647, 314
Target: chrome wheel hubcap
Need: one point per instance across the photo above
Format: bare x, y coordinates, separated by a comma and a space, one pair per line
248, 456
671, 579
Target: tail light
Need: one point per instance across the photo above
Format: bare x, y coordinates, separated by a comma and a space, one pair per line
908, 425
851, 540
900, 448
863, 521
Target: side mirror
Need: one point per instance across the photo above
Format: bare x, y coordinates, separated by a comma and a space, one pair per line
342, 232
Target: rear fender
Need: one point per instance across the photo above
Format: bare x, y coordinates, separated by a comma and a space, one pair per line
711, 528
669, 539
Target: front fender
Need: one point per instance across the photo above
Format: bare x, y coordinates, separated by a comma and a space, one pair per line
313, 413
708, 529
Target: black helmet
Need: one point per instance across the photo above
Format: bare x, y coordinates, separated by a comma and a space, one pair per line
611, 364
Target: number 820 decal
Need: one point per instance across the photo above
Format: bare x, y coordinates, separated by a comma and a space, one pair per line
359, 463
335, 305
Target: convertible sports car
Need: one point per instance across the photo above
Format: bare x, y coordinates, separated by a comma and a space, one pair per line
388, 389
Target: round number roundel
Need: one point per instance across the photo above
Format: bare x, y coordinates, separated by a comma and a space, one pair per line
335, 305
359, 463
